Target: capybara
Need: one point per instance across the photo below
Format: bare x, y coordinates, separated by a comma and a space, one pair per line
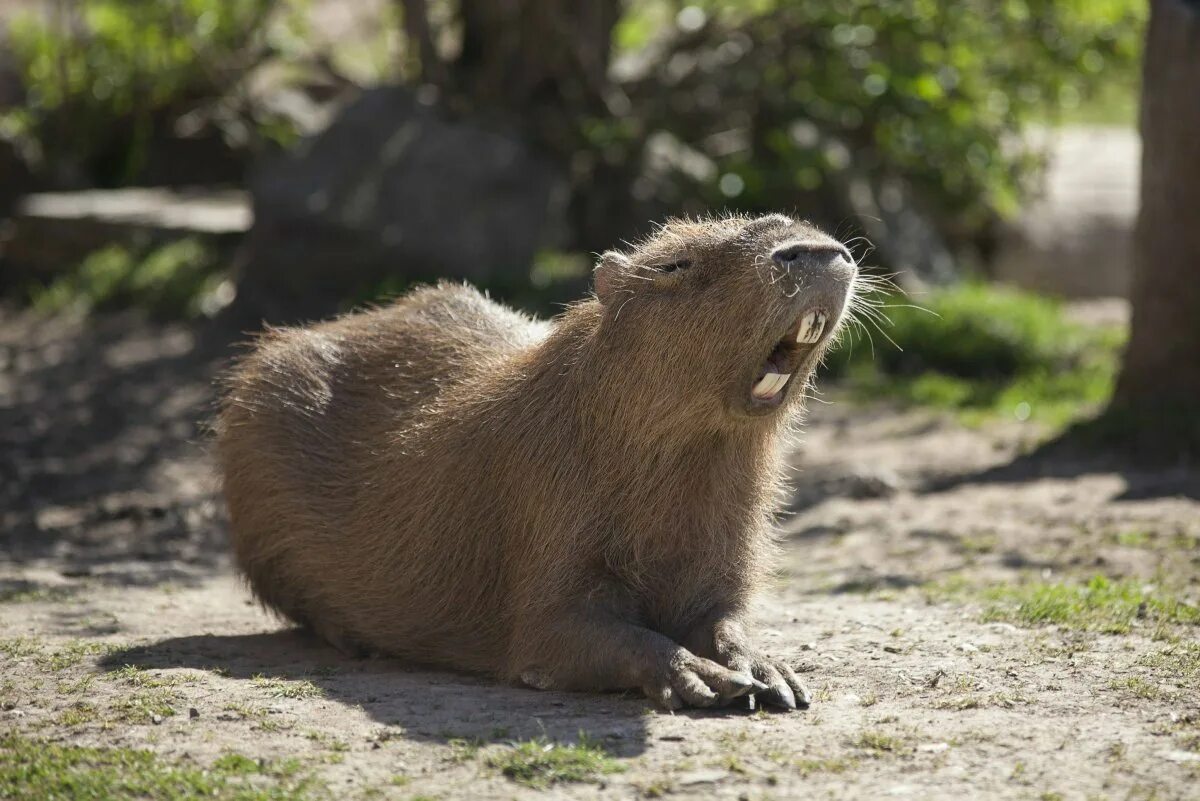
580, 504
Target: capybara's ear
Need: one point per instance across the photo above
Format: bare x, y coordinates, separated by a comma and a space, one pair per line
611, 268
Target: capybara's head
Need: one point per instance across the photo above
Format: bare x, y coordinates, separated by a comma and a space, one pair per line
725, 318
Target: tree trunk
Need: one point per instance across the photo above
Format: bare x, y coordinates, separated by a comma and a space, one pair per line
522, 53
1160, 382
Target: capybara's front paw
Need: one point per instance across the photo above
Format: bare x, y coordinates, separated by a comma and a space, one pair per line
782, 687
685, 679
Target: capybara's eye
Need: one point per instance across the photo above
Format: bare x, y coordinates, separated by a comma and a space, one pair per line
682, 264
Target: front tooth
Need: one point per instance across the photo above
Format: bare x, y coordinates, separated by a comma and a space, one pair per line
765, 387
811, 328
770, 384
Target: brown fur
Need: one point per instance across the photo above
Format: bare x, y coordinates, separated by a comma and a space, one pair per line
567, 504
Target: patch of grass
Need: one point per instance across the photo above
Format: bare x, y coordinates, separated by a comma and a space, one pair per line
541, 763
984, 351
657, 788
878, 744
1180, 661
1137, 687
809, 766
284, 688
183, 278
77, 714
77, 686
73, 653
138, 677
27, 592
731, 763
1134, 538
143, 706
44, 770
1099, 605
20, 647
464, 749
979, 701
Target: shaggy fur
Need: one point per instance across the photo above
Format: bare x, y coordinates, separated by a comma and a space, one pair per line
580, 504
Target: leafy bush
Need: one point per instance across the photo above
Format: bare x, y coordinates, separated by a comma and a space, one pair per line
790, 96
184, 278
981, 348
102, 74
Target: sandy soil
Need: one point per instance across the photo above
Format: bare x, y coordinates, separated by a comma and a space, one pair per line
113, 555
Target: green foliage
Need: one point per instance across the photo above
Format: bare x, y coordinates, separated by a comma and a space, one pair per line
982, 348
792, 96
540, 763
1101, 604
53, 772
101, 74
182, 278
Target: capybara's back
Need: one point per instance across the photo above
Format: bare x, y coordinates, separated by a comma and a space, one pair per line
309, 444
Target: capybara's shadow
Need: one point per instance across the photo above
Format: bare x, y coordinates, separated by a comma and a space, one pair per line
428, 705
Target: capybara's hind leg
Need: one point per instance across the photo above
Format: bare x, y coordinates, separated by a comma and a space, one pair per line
340, 639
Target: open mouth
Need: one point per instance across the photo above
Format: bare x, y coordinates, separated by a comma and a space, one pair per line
789, 353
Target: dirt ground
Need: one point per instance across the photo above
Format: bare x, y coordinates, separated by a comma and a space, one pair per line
123, 626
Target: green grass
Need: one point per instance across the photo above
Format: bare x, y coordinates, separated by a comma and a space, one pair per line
144, 706
1137, 687
806, 767
878, 744
183, 278
541, 763
1101, 605
53, 772
284, 688
20, 647
1180, 661
73, 653
983, 351
23, 593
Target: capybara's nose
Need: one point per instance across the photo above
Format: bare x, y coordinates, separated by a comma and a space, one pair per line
812, 256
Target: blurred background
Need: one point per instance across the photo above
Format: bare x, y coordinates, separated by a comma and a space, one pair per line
998, 473
173, 173
342, 150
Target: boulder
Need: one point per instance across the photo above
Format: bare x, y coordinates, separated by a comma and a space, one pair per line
391, 192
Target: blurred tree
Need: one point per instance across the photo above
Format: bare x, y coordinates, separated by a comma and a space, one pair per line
548, 57
928, 102
1159, 387
106, 80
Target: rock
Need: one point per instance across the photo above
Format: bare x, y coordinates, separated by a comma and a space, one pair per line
393, 190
